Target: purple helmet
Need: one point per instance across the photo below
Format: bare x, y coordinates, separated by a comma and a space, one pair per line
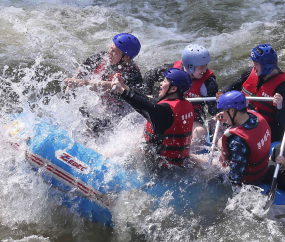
128, 44
179, 78
266, 56
232, 99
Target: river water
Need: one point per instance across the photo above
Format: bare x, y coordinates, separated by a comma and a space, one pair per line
43, 42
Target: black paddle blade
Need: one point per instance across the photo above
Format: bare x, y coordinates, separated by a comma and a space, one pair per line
271, 194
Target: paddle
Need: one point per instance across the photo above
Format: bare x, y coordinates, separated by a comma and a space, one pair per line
272, 190
209, 99
214, 141
113, 90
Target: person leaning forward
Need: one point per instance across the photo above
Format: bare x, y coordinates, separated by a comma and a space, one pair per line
170, 119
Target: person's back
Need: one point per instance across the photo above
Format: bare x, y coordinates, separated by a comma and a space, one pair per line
246, 145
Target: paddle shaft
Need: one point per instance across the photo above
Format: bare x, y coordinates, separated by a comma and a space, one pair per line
272, 190
280, 154
214, 141
209, 99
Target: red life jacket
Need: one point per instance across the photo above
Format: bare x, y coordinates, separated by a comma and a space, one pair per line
174, 143
266, 109
195, 88
259, 141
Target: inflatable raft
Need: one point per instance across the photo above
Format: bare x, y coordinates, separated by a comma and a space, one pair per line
84, 177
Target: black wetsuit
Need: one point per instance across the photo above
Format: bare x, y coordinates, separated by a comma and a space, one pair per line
132, 77
159, 115
276, 132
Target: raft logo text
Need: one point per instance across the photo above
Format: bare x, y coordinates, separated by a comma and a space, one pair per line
188, 115
265, 95
262, 141
190, 94
73, 162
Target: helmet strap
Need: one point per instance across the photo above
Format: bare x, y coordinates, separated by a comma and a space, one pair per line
121, 61
167, 93
232, 118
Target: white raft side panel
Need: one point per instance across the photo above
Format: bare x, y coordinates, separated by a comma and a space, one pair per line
67, 179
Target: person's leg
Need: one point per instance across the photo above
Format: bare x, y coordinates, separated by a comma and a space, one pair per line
199, 136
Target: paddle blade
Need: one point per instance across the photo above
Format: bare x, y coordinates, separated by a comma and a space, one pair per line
271, 194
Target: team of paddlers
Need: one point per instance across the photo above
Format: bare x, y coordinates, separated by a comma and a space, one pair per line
175, 128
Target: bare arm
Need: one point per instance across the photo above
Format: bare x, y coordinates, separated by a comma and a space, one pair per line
100, 86
94, 85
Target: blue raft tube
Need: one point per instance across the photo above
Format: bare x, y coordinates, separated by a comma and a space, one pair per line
79, 176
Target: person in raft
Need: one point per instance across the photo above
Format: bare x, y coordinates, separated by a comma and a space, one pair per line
98, 71
195, 60
264, 79
170, 119
246, 144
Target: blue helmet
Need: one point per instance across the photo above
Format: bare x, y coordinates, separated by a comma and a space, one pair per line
179, 78
266, 56
128, 44
232, 99
195, 55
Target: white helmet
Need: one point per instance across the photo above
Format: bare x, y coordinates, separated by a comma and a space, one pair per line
195, 55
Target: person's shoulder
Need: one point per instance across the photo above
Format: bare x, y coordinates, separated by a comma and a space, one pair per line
281, 87
234, 140
210, 71
211, 75
134, 66
98, 54
158, 70
211, 84
94, 58
247, 71
211, 79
